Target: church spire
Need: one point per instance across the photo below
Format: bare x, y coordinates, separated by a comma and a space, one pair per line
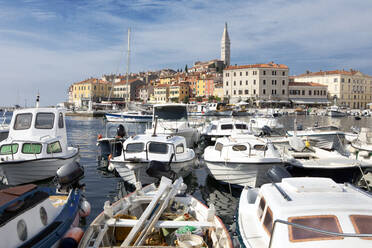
225, 46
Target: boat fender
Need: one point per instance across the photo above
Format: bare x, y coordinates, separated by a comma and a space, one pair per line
85, 208
277, 173
71, 238
99, 136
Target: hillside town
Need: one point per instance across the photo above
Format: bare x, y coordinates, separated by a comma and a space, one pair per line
216, 80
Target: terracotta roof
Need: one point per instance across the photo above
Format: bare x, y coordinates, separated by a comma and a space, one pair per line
268, 65
305, 84
93, 81
180, 84
122, 82
323, 73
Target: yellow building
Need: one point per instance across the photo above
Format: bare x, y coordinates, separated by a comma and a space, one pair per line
178, 92
161, 93
200, 87
218, 91
90, 89
165, 80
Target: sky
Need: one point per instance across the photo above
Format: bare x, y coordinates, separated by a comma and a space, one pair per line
45, 46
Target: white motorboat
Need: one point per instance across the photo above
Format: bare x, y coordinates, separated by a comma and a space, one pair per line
172, 119
145, 158
36, 146
32, 216
335, 111
223, 128
258, 123
307, 160
129, 116
218, 109
241, 160
326, 137
196, 110
157, 217
304, 212
4, 128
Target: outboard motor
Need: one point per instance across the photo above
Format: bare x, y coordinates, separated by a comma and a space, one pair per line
277, 173
265, 131
159, 169
69, 175
120, 131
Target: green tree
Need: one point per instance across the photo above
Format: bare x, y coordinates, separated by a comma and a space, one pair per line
211, 98
186, 100
199, 98
186, 69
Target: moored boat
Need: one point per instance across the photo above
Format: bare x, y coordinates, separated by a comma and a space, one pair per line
241, 160
145, 158
157, 217
304, 212
32, 216
36, 146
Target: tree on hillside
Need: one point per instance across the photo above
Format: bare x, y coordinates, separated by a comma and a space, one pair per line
186, 69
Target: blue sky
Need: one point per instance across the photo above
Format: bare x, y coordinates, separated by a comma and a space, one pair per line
47, 45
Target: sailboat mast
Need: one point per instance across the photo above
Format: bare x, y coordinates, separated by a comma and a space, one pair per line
128, 58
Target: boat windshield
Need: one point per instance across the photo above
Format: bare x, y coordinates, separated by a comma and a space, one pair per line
172, 113
23, 121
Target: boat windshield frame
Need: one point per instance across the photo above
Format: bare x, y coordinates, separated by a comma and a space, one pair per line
171, 113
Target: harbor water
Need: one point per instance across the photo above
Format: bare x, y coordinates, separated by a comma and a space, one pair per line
101, 186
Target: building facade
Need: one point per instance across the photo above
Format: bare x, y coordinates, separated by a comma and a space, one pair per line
128, 91
178, 92
161, 93
348, 88
261, 82
307, 93
92, 89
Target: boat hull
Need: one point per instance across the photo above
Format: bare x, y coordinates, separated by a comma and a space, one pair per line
241, 174
20, 172
133, 172
128, 118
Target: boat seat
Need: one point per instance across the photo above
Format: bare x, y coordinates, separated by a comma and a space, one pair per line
160, 224
9, 194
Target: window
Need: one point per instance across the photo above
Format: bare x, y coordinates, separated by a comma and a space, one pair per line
260, 147
283, 92
23, 121
264, 82
342, 80
234, 92
283, 82
9, 149
303, 92
60, 120
180, 149
264, 72
261, 207
54, 147
246, 73
268, 221
246, 92
239, 148
335, 80
234, 74
254, 92
240, 92
323, 222
283, 73
309, 92
246, 82
241, 126
29, 148
264, 91
226, 126
234, 83
44, 120
362, 224
218, 147
135, 147
156, 147
254, 82
240, 73
241, 82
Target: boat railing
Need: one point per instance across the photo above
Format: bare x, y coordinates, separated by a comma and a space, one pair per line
317, 230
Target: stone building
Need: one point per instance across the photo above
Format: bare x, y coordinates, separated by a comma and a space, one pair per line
348, 88
307, 93
261, 82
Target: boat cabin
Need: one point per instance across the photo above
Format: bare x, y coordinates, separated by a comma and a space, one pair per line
334, 211
33, 133
226, 127
160, 147
170, 112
